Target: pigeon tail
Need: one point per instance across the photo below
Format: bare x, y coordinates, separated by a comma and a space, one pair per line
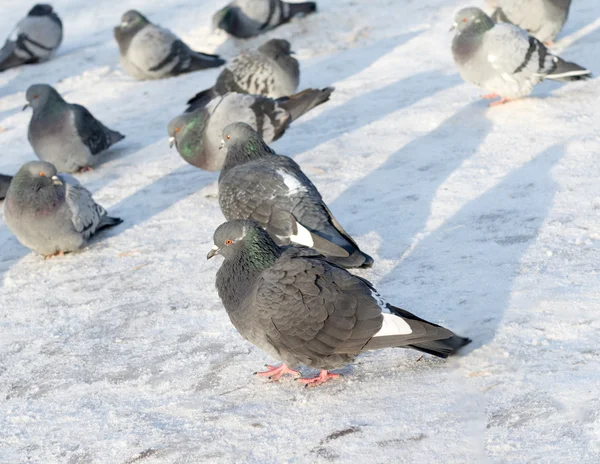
566, 71
442, 348
108, 221
202, 98
7, 57
201, 61
115, 136
302, 8
301, 103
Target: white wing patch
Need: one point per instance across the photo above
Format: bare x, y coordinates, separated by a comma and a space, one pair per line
303, 236
293, 184
392, 324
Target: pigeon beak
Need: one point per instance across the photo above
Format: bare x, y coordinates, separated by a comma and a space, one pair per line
213, 251
26, 106
222, 144
453, 27
56, 180
171, 142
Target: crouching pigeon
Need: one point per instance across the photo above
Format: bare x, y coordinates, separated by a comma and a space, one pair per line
301, 309
248, 18
52, 213
35, 38
149, 51
504, 59
65, 134
258, 184
197, 133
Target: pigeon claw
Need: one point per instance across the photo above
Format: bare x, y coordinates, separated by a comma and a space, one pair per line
58, 253
274, 373
323, 377
490, 96
502, 101
85, 169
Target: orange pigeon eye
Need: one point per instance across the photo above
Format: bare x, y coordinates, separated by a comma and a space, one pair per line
228, 137
35, 96
464, 20
42, 174
228, 242
177, 129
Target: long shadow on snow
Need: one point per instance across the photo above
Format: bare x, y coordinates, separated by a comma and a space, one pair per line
466, 268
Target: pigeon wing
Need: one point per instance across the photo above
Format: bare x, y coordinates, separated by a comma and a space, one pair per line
93, 133
86, 214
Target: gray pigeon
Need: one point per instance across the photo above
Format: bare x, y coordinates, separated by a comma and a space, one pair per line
197, 134
35, 38
503, 58
542, 19
248, 18
4, 183
269, 70
301, 309
149, 51
52, 213
258, 184
65, 134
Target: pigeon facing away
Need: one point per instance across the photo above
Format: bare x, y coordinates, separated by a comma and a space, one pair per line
52, 213
269, 70
542, 19
301, 309
197, 133
65, 134
4, 183
35, 38
149, 51
503, 58
248, 18
258, 184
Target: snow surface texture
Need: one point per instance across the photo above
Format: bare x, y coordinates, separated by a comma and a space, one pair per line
484, 220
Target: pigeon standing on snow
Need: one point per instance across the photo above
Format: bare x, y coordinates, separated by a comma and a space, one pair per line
35, 38
65, 134
149, 51
542, 19
197, 133
503, 58
4, 183
248, 18
270, 70
52, 213
258, 184
301, 309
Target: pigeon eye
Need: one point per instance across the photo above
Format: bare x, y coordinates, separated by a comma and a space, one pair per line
35, 96
228, 137
177, 129
228, 242
42, 174
464, 20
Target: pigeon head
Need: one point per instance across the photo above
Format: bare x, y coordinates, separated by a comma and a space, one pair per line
473, 20
186, 132
133, 20
247, 237
35, 175
243, 144
38, 95
275, 48
41, 9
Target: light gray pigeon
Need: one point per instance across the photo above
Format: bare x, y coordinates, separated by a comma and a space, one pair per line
52, 213
301, 309
65, 134
258, 184
35, 38
503, 58
4, 183
269, 70
149, 51
197, 134
248, 18
542, 19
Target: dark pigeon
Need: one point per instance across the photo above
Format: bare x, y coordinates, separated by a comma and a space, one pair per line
258, 184
301, 309
4, 183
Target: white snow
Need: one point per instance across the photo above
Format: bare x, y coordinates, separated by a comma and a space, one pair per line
486, 221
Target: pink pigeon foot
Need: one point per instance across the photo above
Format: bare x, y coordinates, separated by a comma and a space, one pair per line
502, 101
274, 373
550, 43
85, 169
323, 377
490, 96
58, 253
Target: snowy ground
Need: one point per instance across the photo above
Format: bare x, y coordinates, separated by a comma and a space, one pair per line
487, 221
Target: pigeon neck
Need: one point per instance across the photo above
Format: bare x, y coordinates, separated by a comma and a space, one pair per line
241, 153
35, 195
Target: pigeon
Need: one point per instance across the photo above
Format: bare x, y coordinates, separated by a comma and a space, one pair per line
258, 184
149, 51
52, 213
4, 183
249, 18
504, 59
197, 133
300, 308
35, 38
542, 19
270, 71
65, 134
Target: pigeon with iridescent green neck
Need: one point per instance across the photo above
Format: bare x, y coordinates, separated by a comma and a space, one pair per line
271, 189
299, 308
197, 134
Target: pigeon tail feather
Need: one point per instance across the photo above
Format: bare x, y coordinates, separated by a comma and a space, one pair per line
108, 221
202, 98
302, 8
442, 348
301, 103
566, 71
201, 61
